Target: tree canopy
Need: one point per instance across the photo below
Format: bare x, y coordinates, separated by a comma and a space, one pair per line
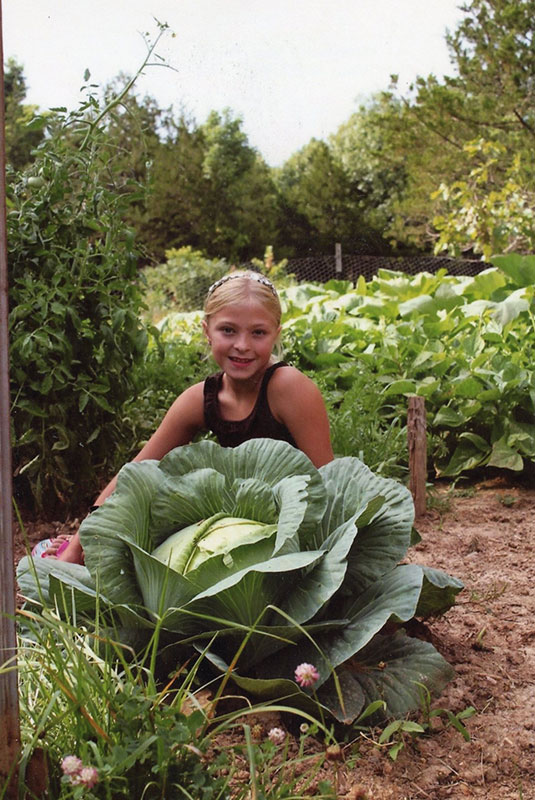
446, 165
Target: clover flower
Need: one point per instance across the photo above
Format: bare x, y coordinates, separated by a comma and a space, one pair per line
79, 775
276, 735
87, 776
71, 765
306, 675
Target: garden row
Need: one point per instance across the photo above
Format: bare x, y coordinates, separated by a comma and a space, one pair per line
464, 344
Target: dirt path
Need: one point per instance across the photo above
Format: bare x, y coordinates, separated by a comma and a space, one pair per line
484, 535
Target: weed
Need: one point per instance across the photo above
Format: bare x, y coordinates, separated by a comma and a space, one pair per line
399, 732
495, 591
507, 500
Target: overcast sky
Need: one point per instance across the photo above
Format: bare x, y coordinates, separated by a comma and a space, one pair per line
292, 69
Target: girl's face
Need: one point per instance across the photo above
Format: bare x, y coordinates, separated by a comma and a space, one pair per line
242, 337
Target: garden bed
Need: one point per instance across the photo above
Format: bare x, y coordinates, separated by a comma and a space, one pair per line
484, 534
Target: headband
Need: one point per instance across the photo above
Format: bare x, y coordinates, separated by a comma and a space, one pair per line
249, 276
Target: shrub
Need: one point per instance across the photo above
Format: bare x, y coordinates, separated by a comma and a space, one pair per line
182, 282
75, 302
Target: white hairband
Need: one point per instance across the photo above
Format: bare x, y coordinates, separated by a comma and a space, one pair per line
250, 276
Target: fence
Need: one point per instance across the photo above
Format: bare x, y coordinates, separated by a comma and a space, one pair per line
321, 268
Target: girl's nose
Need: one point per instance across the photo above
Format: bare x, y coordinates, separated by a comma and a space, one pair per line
242, 342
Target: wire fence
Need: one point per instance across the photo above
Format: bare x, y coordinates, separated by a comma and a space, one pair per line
322, 268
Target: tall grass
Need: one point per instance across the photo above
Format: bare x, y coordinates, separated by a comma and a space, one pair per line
83, 694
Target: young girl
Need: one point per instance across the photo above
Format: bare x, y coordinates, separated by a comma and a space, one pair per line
252, 396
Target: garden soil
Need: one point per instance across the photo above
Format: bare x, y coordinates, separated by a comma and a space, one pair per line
484, 534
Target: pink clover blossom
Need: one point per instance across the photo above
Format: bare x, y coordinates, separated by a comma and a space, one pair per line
306, 675
276, 735
71, 765
88, 776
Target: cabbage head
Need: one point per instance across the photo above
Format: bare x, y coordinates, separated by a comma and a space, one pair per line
254, 549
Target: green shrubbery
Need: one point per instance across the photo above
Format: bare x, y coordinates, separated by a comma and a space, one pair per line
182, 282
75, 301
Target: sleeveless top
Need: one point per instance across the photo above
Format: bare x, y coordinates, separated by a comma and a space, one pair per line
259, 424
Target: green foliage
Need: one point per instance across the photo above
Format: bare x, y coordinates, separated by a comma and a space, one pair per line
75, 301
168, 368
295, 584
182, 282
398, 732
87, 696
318, 205
21, 136
464, 344
402, 147
147, 736
492, 210
276, 271
366, 425
210, 190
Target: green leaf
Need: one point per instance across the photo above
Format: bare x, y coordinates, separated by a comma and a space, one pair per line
504, 456
521, 269
382, 541
439, 591
123, 518
449, 417
389, 668
400, 387
472, 451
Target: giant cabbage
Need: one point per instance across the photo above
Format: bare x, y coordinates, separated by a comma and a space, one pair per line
254, 550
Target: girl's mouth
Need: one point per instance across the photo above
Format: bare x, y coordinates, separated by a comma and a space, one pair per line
237, 360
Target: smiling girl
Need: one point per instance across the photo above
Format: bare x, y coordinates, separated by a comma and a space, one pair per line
253, 395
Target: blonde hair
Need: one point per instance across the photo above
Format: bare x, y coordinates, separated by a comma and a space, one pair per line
239, 286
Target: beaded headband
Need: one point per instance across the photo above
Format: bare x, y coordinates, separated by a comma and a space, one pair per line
250, 276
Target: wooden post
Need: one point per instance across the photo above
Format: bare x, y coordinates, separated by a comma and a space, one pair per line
338, 259
416, 435
9, 702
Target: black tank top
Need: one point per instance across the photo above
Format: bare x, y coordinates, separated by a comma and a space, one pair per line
259, 424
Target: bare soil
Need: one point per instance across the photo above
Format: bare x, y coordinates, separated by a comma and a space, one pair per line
483, 534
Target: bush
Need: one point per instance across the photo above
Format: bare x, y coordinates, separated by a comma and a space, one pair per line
75, 302
182, 282
169, 367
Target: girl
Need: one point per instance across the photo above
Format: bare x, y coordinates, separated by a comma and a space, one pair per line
252, 396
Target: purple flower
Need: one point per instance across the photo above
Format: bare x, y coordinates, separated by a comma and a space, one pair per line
306, 675
71, 765
276, 735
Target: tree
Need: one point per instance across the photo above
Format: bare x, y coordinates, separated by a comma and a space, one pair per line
490, 99
210, 190
489, 219
20, 136
375, 168
319, 205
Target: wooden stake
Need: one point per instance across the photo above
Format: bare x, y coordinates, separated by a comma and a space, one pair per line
338, 258
9, 704
416, 435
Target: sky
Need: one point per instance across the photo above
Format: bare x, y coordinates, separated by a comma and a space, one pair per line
291, 69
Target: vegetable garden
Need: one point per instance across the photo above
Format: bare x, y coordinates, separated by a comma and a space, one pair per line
321, 570
296, 641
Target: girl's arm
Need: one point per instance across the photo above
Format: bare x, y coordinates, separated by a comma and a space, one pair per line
296, 401
183, 420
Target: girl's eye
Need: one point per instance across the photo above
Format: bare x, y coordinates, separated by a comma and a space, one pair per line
259, 333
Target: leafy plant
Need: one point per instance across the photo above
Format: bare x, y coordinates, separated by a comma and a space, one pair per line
464, 344
319, 576
75, 301
397, 732
182, 282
